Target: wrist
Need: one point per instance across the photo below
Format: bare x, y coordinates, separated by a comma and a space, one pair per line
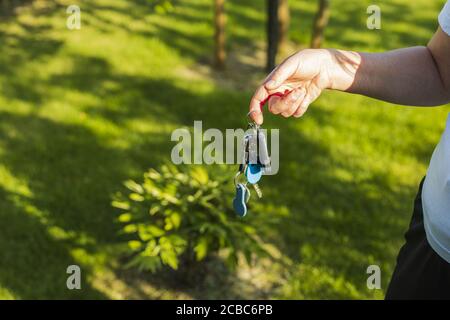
341, 68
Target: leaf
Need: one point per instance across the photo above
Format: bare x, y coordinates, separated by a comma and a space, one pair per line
136, 197
155, 231
133, 186
147, 232
170, 258
201, 249
200, 175
232, 260
130, 228
154, 209
176, 219
152, 249
172, 221
179, 244
145, 263
170, 199
168, 225
125, 217
134, 245
249, 229
121, 204
144, 235
153, 175
150, 187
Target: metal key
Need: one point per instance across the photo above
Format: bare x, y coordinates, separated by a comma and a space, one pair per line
258, 190
252, 144
244, 148
263, 153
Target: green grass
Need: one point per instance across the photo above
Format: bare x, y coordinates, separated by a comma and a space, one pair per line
81, 111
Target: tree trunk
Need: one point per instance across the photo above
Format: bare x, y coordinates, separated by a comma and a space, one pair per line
219, 34
272, 33
320, 23
283, 22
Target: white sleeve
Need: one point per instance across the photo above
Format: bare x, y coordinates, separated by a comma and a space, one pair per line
444, 18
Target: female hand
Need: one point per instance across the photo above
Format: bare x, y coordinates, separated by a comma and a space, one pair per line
303, 75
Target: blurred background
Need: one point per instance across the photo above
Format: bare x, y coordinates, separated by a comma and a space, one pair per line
85, 177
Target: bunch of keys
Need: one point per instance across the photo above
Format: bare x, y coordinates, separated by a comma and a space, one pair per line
255, 163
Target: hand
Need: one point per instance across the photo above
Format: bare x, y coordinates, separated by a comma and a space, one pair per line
304, 75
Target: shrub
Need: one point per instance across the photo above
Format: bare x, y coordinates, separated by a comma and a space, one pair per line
177, 213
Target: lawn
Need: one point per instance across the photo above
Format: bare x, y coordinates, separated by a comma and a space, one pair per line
82, 111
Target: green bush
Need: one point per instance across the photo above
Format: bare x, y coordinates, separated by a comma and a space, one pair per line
175, 214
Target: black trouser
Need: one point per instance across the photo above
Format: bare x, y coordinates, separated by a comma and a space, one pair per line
420, 272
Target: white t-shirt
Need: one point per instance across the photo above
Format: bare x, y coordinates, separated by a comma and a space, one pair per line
444, 18
436, 188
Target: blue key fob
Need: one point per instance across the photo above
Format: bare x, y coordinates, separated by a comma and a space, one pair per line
253, 173
239, 201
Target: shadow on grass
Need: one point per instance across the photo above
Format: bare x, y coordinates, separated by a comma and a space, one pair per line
38, 230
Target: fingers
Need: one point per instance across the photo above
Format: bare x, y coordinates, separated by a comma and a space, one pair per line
288, 104
309, 98
303, 106
292, 108
280, 74
275, 82
274, 100
295, 103
255, 113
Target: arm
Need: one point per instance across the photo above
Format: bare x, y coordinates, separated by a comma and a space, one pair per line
411, 76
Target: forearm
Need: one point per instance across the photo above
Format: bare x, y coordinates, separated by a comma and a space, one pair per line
406, 76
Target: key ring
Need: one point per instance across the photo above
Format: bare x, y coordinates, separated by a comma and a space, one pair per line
236, 177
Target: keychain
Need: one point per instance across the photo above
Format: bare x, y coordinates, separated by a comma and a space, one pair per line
255, 162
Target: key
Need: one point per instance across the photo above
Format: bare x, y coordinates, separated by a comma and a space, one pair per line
247, 194
252, 147
245, 156
263, 153
239, 202
258, 190
253, 173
